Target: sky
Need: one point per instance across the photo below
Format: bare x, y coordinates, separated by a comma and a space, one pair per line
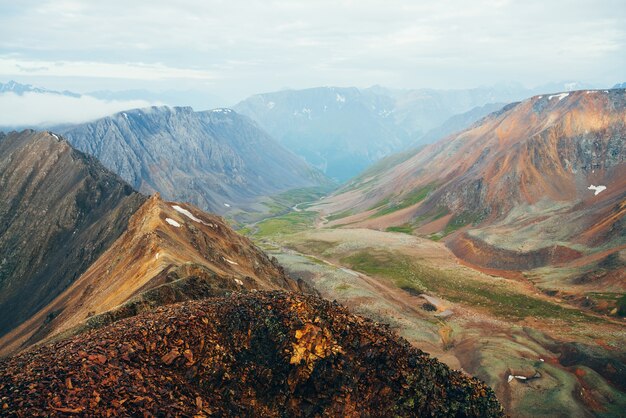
231, 49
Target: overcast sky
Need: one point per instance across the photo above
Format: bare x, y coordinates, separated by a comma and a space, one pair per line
236, 48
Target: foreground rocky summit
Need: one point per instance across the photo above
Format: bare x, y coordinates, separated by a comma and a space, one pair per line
251, 354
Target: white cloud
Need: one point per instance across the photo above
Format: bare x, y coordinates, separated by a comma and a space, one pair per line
10, 66
259, 45
34, 109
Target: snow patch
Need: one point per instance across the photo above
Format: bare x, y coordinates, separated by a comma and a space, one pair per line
340, 98
540, 97
561, 96
186, 213
598, 189
221, 110
270, 105
230, 261
125, 115
172, 222
54, 135
156, 256
227, 205
239, 282
591, 91
510, 378
192, 217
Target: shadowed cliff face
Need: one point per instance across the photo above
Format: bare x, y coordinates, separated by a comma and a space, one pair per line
254, 354
211, 159
59, 211
520, 178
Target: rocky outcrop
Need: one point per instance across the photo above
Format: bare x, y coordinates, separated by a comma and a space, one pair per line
252, 354
213, 159
59, 211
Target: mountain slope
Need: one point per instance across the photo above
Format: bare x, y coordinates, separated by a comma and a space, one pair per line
211, 159
518, 181
59, 211
169, 252
255, 354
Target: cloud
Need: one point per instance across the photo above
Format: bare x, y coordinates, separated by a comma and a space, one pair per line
258, 45
10, 66
43, 109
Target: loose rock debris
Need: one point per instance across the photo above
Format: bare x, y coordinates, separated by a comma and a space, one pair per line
266, 354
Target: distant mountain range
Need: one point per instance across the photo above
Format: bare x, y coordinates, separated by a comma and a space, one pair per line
459, 122
20, 89
216, 159
540, 182
343, 130
196, 99
340, 131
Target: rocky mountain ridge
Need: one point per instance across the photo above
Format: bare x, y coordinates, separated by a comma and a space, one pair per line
211, 159
169, 252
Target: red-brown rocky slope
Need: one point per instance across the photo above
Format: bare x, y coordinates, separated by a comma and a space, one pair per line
252, 354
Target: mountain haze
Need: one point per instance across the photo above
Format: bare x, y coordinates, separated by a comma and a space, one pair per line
20, 89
